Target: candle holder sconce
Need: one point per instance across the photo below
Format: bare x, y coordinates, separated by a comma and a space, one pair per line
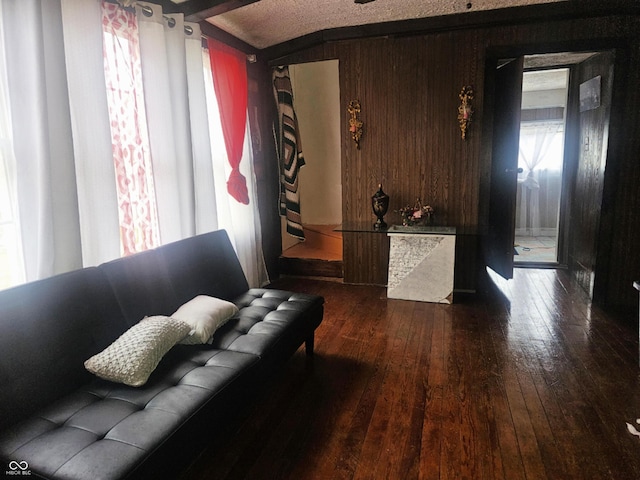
355, 125
465, 110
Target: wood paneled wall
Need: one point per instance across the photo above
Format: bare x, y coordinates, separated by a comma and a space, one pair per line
408, 87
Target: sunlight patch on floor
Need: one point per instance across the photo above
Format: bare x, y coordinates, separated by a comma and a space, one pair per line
535, 249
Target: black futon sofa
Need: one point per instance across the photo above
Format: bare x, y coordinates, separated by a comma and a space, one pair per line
59, 421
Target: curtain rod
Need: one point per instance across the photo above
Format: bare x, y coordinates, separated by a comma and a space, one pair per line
147, 11
188, 29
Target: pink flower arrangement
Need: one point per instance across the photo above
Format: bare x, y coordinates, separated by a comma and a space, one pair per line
417, 214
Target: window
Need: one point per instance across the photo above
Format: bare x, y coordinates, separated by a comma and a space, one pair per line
541, 146
111, 198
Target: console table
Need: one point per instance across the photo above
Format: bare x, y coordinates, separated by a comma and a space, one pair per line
421, 263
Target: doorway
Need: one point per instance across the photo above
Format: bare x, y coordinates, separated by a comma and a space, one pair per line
540, 166
586, 132
316, 98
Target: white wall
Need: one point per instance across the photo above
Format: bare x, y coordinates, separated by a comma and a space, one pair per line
316, 97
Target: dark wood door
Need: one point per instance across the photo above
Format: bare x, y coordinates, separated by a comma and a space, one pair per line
504, 166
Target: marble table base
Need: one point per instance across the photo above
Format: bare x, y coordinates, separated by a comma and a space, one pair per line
421, 267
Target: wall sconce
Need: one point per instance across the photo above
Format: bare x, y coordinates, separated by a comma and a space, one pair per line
465, 110
355, 125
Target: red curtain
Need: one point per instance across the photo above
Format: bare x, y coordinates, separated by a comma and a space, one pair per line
230, 83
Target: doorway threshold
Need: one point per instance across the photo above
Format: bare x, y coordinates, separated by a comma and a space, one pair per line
535, 249
540, 265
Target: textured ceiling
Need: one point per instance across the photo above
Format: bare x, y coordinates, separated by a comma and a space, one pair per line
544, 80
269, 22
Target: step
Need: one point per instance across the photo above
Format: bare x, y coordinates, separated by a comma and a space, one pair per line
320, 255
304, 250
310, 267
323, 238
326, 230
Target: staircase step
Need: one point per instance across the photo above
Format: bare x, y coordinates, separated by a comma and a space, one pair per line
310, 267
322, 237
320, 255
327, 230
304, 250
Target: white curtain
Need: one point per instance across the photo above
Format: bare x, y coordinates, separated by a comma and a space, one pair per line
175, 103
535, 142
206, 215
162, 54
39, 106
11, 258
189, 157
94, 167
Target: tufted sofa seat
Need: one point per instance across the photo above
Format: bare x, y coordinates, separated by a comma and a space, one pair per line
266, 319
72, 438
66, 423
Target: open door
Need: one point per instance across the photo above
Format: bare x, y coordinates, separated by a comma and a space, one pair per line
504, 167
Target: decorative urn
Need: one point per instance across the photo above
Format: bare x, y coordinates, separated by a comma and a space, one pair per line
380, 205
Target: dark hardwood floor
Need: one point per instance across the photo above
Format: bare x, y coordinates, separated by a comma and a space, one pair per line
535, 383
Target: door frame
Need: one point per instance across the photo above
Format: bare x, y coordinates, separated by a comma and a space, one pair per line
621, 49
569, 164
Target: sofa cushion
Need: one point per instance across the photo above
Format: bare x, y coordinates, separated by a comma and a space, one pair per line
137, 352
48, 328
269, 318
141, 284
159, 281
78, 436
205, 315
203, 265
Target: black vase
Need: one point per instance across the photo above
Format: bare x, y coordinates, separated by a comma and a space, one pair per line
380, 205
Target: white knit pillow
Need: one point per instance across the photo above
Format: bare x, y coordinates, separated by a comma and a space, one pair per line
205, 315
137, 352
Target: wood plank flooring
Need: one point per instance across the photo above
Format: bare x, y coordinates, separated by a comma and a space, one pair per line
529, 383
